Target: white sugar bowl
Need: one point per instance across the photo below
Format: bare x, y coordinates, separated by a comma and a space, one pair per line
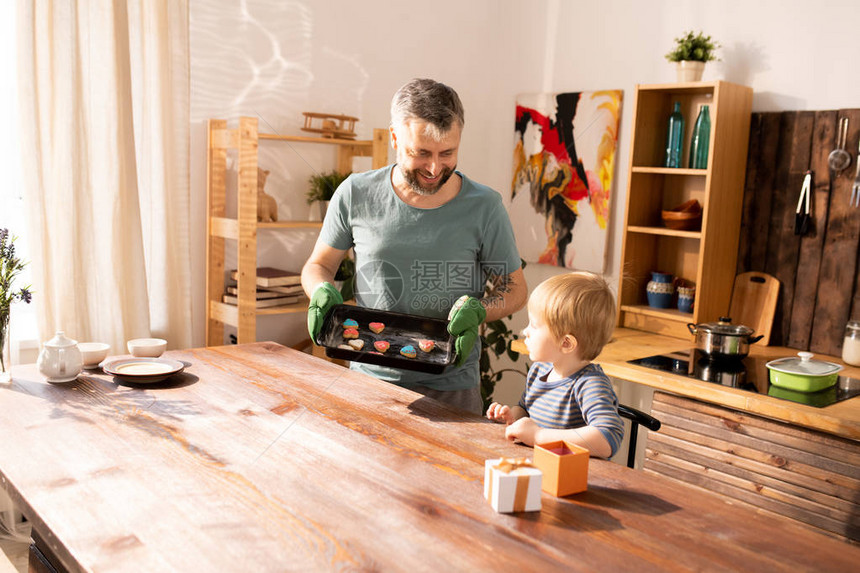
60, 359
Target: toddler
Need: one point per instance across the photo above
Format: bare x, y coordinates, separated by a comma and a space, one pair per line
571, 318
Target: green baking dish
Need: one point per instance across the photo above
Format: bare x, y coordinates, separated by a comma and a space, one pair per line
818, 399
802, 373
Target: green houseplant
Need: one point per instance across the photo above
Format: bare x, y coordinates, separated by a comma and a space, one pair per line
10, 266
690, 54
346, 274
321, 187
496, 338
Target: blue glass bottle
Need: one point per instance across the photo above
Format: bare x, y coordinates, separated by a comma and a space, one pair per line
701, 140
675, 138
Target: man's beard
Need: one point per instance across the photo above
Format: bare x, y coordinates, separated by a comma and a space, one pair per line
411, 177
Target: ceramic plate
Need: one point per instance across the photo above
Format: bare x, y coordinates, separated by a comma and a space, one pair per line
143, 370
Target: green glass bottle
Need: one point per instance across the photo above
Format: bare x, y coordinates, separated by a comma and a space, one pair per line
701, 140
675, 138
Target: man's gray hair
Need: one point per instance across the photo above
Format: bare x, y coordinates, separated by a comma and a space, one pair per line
430, 101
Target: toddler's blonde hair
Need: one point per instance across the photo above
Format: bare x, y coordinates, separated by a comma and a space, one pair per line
580, 304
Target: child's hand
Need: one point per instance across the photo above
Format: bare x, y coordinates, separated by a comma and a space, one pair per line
500, 413
523, 430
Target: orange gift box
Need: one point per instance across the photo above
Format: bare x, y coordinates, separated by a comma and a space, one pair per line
564, 466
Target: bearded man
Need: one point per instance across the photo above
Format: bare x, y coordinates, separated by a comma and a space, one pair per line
426, 239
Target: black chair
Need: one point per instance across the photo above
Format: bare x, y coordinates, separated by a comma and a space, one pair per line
636, 418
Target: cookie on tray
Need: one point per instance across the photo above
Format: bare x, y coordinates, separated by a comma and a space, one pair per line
381, 345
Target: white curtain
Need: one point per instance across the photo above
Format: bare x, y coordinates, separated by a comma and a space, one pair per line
104, 94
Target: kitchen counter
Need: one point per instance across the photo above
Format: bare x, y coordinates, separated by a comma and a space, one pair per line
261, 458
841, 419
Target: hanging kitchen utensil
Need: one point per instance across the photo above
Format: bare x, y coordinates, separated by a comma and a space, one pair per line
839, 159
801, 214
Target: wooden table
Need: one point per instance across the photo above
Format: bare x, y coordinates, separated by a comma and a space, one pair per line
261, 458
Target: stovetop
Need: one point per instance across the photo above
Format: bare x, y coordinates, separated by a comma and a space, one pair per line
748, 374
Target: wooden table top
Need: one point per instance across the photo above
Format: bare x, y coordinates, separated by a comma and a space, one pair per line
841, 419
261, 458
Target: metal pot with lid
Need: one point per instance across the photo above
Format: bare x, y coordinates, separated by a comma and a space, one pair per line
722, 339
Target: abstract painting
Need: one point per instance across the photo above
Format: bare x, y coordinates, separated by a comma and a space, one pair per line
564, 161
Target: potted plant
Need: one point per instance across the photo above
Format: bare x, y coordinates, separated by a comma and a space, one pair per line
496, 338
345, 275
322, 187
690, 54
10, 266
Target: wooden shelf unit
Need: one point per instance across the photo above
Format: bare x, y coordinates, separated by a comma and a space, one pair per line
244, 228
707, 256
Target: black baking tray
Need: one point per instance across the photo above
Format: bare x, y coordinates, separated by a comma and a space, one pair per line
400, 330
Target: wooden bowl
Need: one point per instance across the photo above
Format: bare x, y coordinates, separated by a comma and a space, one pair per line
685, 217
682, 221
691, 206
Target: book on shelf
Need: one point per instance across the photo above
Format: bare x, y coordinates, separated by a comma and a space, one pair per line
271, 277
270, 292
287, 289
264, 302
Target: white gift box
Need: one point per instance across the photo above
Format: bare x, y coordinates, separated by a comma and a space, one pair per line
512, 485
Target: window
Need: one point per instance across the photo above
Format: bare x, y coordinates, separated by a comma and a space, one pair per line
23, 330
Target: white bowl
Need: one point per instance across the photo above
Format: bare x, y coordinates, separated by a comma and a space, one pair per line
93, 352
147, 347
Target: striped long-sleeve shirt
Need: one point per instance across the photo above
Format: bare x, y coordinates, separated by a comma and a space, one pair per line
585, 398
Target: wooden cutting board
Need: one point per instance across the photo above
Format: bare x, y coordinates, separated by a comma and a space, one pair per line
754, 298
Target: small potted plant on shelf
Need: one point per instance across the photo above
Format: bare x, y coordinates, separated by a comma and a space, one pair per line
322, 187
690, 54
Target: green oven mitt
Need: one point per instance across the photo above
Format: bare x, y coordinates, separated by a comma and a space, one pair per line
324, 297
465, 317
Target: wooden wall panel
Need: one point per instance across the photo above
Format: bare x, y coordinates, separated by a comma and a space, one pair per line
783, 245
763, 165
839, 261
812, 245
804, 475
818, 271
754, 151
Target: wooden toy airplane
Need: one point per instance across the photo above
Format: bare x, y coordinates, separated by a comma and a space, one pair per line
330, 125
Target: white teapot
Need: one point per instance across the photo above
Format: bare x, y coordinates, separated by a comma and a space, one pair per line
60, 359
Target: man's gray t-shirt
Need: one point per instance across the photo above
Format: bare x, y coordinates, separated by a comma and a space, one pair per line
419, 261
